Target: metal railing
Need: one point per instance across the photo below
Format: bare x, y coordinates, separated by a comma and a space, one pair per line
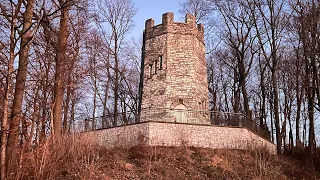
110, 120
200, 117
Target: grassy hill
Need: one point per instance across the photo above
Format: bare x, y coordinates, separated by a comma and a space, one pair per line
80, 159
197, 163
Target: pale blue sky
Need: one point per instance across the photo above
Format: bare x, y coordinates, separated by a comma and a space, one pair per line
152, 9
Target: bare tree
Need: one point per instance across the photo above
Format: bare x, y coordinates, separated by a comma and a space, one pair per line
117, 14
239, 37
307, 21
12, 20
60, 68
199, 8
27, 33
270, 20
78, 29
94, 49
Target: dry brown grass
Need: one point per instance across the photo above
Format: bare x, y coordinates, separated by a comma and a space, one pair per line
80, 158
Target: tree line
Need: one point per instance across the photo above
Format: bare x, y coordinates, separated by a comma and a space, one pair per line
263, 61
60, 61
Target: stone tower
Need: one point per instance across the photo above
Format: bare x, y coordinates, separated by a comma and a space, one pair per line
174, 73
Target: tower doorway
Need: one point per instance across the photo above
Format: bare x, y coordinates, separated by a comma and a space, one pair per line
180, 113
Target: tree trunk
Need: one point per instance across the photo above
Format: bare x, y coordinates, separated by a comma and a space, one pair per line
271, 120
299, 99
59, 75
93, 126
290, 126
242, 83
304, 131
45, 85
105, 101
71, 122
116, 81
236, 94
5, 116
311, 97
263, 102
35, 118
313, 91
299, 94
13, 138
67, 102
276, 111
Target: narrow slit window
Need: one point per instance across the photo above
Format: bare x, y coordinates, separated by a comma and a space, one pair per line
160, 61
150, 70
155, 67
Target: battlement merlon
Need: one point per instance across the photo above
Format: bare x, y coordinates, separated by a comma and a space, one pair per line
149, 24
190, 19
168, 19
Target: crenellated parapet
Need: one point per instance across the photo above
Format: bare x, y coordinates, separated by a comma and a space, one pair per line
169, 26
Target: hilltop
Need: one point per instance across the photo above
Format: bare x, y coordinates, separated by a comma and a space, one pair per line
80, 159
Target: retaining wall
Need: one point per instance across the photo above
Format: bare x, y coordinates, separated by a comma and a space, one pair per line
179, 134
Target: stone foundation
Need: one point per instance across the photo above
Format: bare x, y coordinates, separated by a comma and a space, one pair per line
179, 134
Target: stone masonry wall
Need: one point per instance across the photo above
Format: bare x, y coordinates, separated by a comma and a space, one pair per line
205, 136
124, 136
179, 134
174, 66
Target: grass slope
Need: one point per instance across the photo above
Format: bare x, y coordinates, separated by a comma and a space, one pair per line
81, 159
